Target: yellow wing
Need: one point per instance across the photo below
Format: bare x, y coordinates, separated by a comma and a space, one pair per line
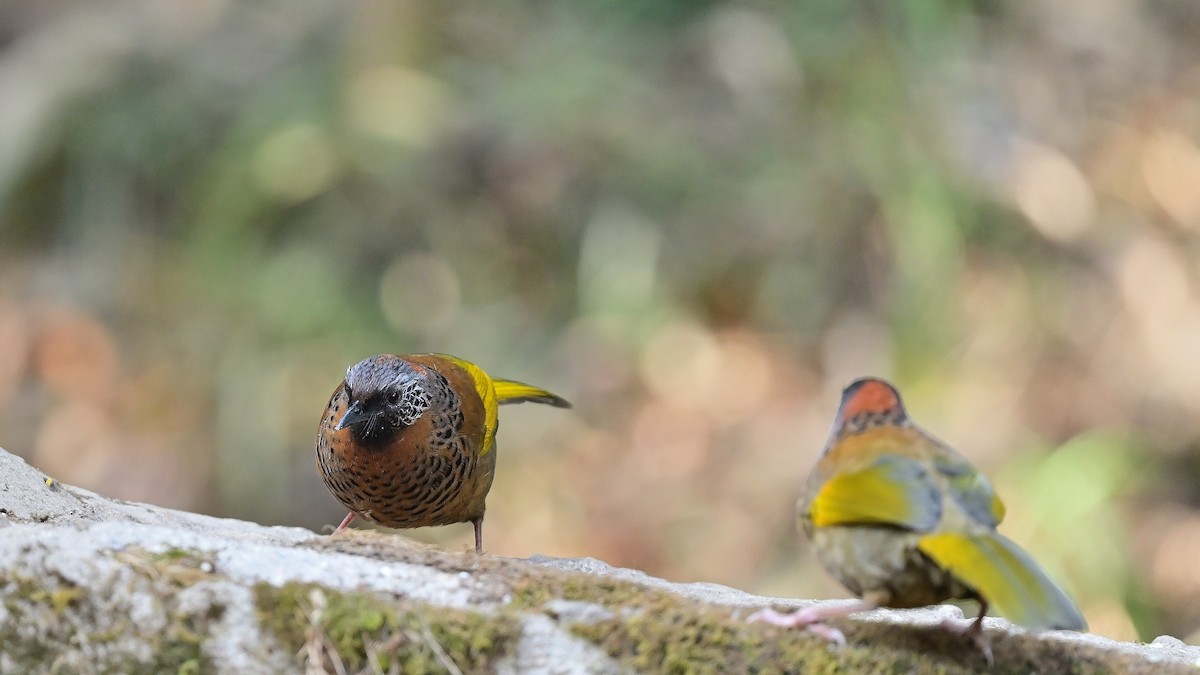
496, 391
510, 391
1006, 577
891, 491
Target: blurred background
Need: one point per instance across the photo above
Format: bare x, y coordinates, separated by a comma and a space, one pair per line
696, 220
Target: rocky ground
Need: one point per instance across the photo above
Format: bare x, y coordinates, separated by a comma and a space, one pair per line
91, 584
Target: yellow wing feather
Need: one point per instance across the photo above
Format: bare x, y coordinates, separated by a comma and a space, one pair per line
510, 391
892, 491
1006, 577
494, 391
487, 393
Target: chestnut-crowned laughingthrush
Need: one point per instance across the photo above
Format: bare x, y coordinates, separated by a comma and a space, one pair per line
410, 441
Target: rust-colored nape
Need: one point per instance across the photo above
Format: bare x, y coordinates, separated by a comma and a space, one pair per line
870, 395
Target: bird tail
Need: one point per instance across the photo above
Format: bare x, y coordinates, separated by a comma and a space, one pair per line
1006, 577
509, 391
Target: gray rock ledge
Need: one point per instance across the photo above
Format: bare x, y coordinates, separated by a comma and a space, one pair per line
95, 585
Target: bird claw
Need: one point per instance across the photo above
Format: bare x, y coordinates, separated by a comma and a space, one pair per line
974, 631
805, 618
791, 620
828, 633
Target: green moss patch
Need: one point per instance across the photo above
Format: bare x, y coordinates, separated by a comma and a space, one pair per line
656, 630
180, 567
659, 631
363, 631
43, 619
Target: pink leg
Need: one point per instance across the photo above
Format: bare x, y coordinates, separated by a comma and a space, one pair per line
478, 523
974, 631
345, 522
811, 617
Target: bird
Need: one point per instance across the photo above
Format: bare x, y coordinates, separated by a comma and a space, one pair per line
410, 441
903, 520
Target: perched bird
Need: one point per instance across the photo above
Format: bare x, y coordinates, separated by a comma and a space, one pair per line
410, 441
902, 520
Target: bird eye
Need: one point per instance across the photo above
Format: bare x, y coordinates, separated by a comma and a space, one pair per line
393, 397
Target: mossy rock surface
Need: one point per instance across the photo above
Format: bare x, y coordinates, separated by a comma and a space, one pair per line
355, 631
89, 584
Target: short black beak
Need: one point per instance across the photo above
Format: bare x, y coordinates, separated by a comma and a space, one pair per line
354, 415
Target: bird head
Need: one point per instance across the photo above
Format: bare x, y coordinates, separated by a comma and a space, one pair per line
387, 393
867, 402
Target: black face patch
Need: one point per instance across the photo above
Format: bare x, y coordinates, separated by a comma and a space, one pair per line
392, 394
392, 410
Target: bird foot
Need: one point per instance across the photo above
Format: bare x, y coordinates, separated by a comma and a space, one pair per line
809, 619
974, 631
